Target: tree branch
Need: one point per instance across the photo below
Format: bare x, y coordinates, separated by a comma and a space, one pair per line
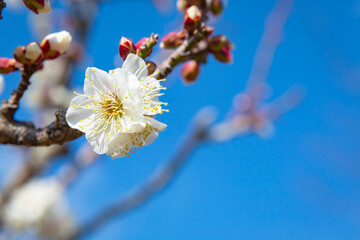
24, 133
181, 54
2, 6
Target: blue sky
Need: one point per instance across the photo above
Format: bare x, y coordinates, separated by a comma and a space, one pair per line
303, 183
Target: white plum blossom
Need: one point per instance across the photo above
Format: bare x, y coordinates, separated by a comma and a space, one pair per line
117, 108
39, 205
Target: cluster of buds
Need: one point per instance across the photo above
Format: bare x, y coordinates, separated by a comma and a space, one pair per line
218, 45
215, 6
172, 40
51, 47
7, 65
221, 47
38, 6
143, 48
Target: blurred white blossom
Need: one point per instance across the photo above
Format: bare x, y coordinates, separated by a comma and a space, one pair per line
39, 206
46, 88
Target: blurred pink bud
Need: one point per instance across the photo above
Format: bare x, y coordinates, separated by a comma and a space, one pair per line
217, 42
33, 53
216, 7
56, 44
224, 55
192, 18
172, 39
190, 71
208, 30
151, 66
139, 46
126, 46
7, 65
38, 6
19, 54
182, 5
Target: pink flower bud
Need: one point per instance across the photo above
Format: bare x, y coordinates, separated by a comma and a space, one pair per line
224, 55
182, 5
190, 71
19, 54
139, 45
151, 66
217, 42
126, 46
172, 39
216, 7
56, 44
7, 65
192, 18
38, 6
33, 53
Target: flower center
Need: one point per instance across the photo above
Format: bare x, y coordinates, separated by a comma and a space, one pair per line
112, 107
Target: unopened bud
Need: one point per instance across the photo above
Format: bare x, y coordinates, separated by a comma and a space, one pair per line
126, 46
217, 42
216, 7
143, 44
151, 67
19, 54
224, 55
192, 18
7, 65
33, 53
56, 44
172, 39
38, 6
190, 71
182, 5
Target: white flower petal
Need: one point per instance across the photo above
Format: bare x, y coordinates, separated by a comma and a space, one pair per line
135, 65
98, 141
156, 124
119, 77
97, 81
78, 114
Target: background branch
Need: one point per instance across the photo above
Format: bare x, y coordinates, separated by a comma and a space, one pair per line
157, 181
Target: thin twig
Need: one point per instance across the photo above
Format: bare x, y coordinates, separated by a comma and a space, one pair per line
270, 40
9, 108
